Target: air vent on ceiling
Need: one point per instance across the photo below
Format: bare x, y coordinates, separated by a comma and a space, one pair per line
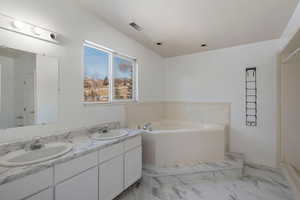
135, 26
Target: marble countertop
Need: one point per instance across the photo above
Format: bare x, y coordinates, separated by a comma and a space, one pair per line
82, 145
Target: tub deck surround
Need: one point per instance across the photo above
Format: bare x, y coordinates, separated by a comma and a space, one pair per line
258, 183
82, 145
232, 166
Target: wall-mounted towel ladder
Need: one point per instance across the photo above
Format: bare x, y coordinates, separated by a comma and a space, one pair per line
251, 97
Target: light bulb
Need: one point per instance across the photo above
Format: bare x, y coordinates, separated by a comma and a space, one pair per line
18, 24
37, 31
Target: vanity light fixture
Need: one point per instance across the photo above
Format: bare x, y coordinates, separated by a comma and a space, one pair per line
19, 26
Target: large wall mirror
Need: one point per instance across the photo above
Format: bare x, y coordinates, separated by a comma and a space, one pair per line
29, 88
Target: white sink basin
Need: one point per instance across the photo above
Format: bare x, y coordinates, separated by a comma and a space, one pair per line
112, 134
24, 157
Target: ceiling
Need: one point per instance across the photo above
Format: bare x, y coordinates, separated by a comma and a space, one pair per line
183, 25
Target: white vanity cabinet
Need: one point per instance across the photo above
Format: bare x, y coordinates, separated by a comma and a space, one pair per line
111, 169
81, 187
73, 167
132, 166
111, 178
77, 179
119, 166
26, 186
114, 176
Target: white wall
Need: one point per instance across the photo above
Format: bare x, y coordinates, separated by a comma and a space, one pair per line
290, 96
291, 111
218, 76
76, 25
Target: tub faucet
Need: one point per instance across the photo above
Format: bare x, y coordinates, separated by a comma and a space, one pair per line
104, 129
147, 126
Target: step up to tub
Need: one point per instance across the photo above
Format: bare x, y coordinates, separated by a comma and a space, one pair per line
232, 166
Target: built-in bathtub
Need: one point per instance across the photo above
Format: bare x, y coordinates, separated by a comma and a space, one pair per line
183, 143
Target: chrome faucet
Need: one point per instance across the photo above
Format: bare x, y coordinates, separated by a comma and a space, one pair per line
147, 126
104, 129
36, 144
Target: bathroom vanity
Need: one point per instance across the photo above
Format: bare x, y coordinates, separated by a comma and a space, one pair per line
92, 170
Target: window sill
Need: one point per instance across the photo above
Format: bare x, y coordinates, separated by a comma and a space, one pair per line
110, 103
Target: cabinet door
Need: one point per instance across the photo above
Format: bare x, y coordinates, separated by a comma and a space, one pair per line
45, 195
81, 187
111, 178
133, 166
26, 186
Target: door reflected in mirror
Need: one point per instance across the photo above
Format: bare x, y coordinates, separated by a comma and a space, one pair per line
29, 88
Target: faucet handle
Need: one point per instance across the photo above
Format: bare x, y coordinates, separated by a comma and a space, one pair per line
147, 126
36, 144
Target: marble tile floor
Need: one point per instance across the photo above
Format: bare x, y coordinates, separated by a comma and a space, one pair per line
232, 166
258, 183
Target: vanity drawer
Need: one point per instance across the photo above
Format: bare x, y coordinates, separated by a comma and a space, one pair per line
111, 152
132, 143
26, 186
74, 167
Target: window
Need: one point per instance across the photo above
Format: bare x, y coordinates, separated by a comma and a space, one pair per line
123, 78
109, 76
96, 83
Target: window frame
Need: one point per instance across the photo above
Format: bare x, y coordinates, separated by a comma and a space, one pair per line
111, 53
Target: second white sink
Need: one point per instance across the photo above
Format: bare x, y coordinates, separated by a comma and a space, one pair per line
112, 134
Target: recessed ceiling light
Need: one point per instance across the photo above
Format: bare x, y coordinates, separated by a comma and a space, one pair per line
203, 45
159, 43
